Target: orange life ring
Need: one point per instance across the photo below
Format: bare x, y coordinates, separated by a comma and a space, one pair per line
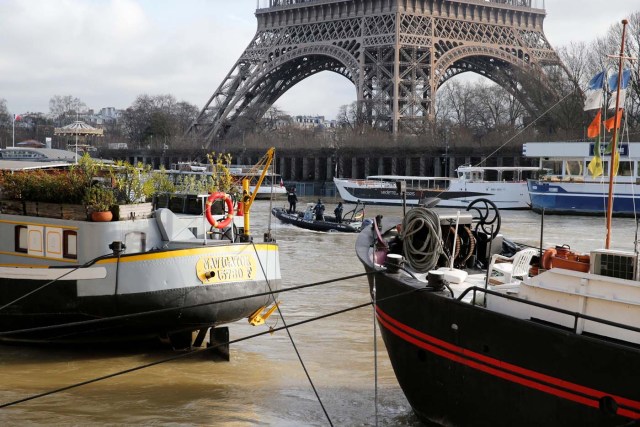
546, 258
227, 220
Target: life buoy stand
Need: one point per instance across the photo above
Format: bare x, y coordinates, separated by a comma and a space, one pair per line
227, 220
546, 262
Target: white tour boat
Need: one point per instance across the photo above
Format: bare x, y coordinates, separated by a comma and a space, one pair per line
505, 186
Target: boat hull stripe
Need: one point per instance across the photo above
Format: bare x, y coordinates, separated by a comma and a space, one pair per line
561, 388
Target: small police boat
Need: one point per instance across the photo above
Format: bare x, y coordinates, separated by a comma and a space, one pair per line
352, 222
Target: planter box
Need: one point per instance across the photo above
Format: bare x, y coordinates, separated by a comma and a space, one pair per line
31, 208
133, 211
45, 210
12, 207
181, 203
62, 211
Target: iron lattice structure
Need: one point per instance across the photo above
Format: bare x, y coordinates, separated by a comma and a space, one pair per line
397, 53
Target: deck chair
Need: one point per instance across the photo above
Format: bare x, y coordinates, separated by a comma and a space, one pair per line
516, 266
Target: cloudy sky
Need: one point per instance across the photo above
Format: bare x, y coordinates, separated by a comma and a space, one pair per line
107, 52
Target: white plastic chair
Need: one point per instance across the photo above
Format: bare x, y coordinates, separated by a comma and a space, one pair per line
516, 267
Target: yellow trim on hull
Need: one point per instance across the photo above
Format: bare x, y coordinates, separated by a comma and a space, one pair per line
174, 253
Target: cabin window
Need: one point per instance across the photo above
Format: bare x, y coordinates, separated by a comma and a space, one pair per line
555, 166
21, 241
625, 169
573, 168
70, 244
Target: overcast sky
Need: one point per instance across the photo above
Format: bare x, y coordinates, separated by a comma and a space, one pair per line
107, 52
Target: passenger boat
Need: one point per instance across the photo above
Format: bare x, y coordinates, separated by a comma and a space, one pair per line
570, 188
162, 275
506, 186
272, 185
561, 348
352, 222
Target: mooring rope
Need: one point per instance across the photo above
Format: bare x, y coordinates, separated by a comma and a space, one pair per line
170, 309
202, 350
87, 264
293, 343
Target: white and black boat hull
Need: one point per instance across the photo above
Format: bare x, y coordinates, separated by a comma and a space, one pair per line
140, 296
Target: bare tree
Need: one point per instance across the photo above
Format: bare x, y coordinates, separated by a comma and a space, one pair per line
66, 108
158, 120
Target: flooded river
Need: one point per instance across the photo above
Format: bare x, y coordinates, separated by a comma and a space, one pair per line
264, 383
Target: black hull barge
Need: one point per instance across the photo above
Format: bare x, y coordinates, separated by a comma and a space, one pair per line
544, 352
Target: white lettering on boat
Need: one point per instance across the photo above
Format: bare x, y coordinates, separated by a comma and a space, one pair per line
226, 268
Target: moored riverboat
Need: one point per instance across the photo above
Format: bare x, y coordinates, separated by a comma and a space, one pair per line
560, 348
506, 186
571, 189
158, 275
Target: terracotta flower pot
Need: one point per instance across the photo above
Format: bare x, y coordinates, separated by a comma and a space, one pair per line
101, 216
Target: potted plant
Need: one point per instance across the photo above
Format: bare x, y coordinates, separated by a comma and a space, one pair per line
99, 200
133, 187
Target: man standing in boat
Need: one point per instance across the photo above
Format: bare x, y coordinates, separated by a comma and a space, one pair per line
338, 212
293, 199
319, 211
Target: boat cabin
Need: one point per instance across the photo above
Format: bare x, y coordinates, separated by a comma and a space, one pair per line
413, 182
568, 161
498, 173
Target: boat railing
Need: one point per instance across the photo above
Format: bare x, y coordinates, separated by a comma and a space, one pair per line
576, 316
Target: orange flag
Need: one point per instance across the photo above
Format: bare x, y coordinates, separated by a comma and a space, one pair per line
594, 128
609, 123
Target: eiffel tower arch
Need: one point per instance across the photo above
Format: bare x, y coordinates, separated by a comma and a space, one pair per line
397, 53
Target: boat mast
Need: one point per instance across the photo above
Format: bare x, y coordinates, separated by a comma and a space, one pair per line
614, 147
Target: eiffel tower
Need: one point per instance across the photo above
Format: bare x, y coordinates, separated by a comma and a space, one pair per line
397, 53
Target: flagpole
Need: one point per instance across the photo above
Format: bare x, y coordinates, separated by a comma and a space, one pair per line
13, 143
614, 149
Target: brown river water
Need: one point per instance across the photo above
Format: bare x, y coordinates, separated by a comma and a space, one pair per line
264, 383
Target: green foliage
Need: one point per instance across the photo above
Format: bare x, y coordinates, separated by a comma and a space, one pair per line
44, 186
133, 183
221, 175
220, 179
161, 182
99, 198
194, 184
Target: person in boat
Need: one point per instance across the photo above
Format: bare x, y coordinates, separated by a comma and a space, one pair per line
338, 212
293, 199
319, 211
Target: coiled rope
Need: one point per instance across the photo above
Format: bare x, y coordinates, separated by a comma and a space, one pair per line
421, 239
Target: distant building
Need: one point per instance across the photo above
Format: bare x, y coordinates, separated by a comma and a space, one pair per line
107, 115
311, 122
118, 146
